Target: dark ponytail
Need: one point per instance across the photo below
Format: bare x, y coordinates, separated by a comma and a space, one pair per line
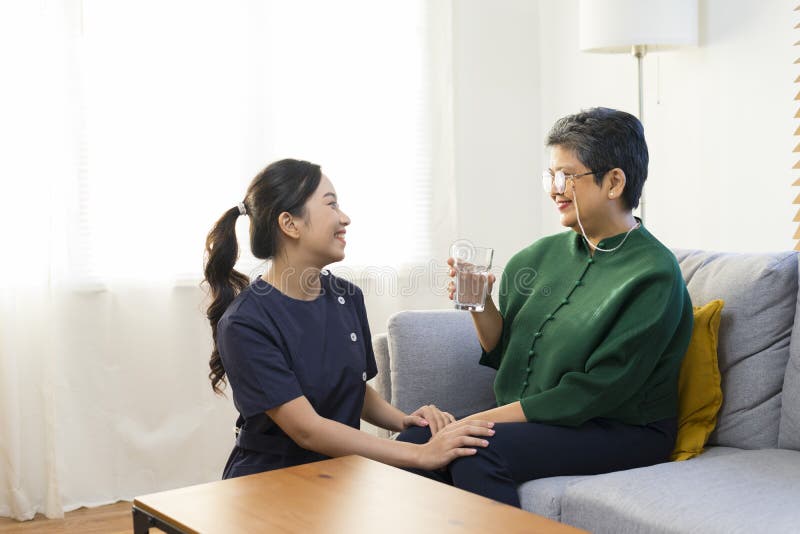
284, 186
224, 282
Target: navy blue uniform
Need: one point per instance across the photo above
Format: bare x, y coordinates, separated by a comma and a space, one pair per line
275, 348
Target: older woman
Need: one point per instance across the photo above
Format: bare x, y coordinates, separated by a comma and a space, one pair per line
588, 353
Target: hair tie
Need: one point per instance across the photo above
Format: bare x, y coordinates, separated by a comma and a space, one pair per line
242, 208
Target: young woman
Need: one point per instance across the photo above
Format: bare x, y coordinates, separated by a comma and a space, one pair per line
588, 354
295, 344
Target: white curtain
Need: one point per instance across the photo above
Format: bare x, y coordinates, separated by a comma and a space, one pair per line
126, 128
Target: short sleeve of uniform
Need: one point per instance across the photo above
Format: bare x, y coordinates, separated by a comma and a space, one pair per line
255, 363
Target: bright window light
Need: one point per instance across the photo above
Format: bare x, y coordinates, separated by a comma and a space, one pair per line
186, 101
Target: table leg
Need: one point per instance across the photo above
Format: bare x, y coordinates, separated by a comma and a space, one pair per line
141, 522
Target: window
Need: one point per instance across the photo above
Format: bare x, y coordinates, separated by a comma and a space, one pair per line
174, 106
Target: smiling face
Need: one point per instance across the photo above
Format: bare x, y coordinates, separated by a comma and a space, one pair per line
321, 232
592, 199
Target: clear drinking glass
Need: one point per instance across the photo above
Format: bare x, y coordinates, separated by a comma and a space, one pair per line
472, 266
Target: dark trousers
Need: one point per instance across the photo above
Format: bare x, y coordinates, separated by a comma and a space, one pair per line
519, 452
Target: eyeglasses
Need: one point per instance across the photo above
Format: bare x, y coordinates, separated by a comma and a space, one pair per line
559, 180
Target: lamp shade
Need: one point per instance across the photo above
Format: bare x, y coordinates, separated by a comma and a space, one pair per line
617, 25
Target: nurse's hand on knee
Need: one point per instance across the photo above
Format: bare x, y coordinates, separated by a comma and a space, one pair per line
462, 438
430, 416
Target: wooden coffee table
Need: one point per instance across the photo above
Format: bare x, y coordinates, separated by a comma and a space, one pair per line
344, 495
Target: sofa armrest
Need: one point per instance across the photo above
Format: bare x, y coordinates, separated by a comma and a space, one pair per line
382, 382
433, 359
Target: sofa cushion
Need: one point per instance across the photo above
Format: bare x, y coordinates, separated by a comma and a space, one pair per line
699, 392
749, 491
760, 294
434, 360
789, 437
713, 452
543, 496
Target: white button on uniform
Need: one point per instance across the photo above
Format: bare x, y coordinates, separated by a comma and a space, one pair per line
341, 300
324, 271
353, 336
364, 376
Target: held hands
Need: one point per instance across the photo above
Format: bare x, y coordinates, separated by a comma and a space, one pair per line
430, 416
454, 441
451, 285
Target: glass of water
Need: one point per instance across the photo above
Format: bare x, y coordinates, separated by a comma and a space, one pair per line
472, 266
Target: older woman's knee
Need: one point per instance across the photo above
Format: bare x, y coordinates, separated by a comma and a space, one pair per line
415, 434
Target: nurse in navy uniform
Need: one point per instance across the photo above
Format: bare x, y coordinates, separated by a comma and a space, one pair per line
294, 343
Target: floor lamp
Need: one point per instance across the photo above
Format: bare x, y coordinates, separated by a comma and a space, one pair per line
636, 26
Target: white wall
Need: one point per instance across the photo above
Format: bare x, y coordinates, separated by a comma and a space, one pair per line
726, 109
497, 123
718, 119
497, 134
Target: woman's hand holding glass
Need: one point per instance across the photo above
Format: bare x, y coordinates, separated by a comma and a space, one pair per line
451, 285
489, 322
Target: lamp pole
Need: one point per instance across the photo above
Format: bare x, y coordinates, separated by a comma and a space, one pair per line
638, 52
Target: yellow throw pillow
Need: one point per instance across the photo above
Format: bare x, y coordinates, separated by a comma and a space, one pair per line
699, 391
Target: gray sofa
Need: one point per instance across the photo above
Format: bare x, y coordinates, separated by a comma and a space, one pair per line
748, 480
